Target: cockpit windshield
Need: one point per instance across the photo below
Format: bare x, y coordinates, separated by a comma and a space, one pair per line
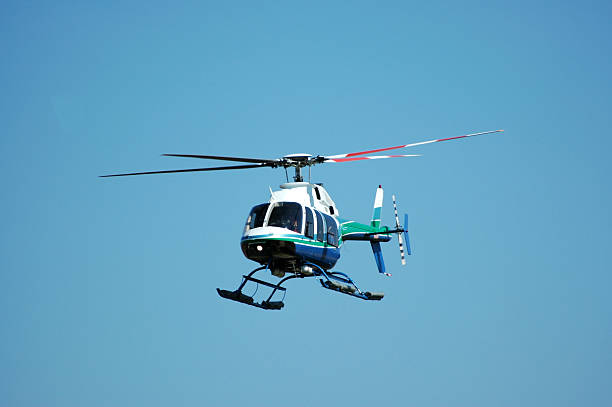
287, 215
256, 217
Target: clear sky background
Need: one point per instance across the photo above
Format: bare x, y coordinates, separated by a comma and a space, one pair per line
108, 285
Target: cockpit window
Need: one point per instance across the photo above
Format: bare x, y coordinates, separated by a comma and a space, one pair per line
256, 217
287, 215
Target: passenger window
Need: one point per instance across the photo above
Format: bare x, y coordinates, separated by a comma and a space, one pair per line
320, 227
309, 228
256, 217
332, 231
287, 215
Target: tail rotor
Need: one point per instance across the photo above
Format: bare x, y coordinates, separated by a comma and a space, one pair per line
408, 249
402, 232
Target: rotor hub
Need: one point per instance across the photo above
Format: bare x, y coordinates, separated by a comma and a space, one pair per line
298, 158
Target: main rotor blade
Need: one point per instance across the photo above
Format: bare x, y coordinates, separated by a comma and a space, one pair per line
217, 157
372, 157
232, 167
410, 145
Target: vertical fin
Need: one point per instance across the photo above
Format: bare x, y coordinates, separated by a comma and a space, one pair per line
378, 202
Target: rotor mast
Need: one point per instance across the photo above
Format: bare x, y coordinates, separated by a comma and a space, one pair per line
298, 174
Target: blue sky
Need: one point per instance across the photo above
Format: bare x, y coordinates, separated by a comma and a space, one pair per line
108, 285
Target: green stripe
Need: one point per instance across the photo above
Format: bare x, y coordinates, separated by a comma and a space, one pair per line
296, 240
376, 217
349, 227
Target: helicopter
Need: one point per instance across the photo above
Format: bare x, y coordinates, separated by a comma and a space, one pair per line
299, 233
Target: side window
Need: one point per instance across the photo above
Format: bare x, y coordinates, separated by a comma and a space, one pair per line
309, 228
320, 227
332, 231
317, 193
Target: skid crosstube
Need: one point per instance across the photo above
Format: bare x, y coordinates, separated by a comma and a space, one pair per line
335, 281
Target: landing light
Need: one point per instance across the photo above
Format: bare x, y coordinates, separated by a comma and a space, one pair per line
259, 247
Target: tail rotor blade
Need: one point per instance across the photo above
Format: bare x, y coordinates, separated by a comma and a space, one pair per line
401, 247
397, 224
399, 235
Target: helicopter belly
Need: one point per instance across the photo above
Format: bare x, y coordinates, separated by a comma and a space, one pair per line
322, 255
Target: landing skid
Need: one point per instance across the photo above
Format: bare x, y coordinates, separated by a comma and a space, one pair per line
342, 283
239, 296
335, 281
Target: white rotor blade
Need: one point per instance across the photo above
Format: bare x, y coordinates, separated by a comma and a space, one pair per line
409, 145
372, 157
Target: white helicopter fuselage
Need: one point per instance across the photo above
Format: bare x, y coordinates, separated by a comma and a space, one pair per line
299, 225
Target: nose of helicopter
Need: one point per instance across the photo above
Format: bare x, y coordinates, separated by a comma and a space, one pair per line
262, 250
